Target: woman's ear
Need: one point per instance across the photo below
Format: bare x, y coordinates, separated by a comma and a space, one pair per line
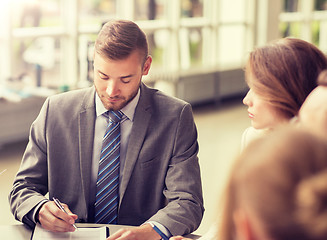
244, 230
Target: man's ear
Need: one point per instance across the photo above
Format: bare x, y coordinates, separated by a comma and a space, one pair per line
147, 65
243, 227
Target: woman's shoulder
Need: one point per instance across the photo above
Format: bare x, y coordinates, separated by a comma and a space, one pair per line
250, 134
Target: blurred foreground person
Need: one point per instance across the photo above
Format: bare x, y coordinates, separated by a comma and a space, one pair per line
276, 190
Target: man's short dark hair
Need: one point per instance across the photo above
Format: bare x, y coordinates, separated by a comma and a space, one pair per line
119, 38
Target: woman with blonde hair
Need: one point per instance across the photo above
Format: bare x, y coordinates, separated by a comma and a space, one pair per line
277, 189
280, 76
313, 112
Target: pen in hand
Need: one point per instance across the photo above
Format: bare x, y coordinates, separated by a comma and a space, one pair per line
3, 171
59, 205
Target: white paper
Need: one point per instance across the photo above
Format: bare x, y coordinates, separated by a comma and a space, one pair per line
82, 233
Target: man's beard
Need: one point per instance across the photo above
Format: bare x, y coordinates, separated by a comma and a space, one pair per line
118, 105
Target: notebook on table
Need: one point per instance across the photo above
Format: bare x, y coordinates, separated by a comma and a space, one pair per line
86, 233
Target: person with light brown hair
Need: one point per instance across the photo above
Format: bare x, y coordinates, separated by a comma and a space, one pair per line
277, 189
322, 78
313, 112
280, 76
118, 152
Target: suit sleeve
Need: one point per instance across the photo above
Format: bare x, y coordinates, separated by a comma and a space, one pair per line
30, 183
184, 211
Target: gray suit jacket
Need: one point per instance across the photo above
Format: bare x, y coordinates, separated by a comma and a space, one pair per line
161, 177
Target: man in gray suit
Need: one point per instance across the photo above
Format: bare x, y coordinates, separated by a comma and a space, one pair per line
159, 178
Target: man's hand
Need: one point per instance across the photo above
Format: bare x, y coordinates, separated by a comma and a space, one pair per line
144, 232
55, 220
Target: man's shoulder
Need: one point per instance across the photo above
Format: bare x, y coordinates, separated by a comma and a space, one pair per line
73, 93
158, 97
74, 99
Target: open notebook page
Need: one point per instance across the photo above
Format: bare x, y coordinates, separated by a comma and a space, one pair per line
82, 233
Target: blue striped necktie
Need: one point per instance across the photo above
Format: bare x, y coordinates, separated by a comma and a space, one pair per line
106, 203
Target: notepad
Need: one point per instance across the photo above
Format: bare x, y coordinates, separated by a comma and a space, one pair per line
98, 233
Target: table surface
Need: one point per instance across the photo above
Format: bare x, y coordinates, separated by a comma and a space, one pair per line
20, 232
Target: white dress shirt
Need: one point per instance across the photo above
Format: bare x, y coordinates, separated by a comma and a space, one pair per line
100, 129
125, 130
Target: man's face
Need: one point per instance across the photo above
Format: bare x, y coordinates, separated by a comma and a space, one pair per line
117, 81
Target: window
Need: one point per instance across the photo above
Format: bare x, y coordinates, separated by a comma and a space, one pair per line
149, 10
33, 53
305, 19
49, 43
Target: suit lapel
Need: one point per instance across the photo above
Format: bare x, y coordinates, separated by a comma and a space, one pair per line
141, 121
86, 137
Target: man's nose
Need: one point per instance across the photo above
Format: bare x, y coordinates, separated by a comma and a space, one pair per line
112, 88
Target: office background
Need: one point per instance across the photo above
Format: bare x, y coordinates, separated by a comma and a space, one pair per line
199, 49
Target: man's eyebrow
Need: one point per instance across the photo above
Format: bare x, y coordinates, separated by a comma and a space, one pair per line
128, 76
102, 73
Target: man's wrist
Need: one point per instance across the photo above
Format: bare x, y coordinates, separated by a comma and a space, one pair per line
37, 211
160, 233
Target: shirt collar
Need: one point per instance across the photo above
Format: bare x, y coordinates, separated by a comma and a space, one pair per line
128, 110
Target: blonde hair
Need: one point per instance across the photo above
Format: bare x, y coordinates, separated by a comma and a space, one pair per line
322, 78
281, 178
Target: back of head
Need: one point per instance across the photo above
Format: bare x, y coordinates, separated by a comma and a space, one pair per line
286, 71
119, 38
313, 112
322, 78
281, 179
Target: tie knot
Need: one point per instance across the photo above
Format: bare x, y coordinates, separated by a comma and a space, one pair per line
114, 116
